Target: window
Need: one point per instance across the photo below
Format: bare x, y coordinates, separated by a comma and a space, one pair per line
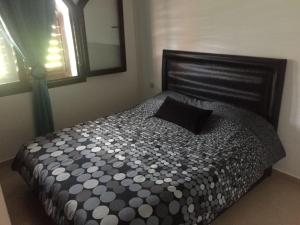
8, 61
60, 61
57, 62
104, 36
61, 58
87, 39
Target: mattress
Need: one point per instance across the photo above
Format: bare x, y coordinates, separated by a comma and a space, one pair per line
133, 168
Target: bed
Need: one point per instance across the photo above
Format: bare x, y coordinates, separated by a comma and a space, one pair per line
133, 168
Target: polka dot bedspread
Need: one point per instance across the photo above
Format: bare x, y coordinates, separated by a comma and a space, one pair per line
132, 168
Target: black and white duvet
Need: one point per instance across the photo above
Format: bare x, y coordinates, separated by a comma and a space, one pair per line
132, 168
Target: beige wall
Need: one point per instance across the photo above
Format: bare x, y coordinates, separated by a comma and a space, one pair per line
269, 28
74, 103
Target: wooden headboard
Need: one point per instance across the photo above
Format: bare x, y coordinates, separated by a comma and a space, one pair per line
252, 83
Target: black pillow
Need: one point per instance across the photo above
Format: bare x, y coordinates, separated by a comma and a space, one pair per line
184, 115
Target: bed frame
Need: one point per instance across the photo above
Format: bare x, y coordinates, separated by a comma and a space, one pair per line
252, 83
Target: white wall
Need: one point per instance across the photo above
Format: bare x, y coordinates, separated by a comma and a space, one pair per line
269, 28
76, 103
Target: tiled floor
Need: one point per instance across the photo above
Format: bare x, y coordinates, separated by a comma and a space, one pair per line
276, 201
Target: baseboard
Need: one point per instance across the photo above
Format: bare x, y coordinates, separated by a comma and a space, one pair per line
7, 159
292, 177
6, 163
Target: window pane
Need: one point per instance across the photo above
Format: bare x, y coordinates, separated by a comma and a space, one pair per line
8, 61
56, 53
61, 59
102, 32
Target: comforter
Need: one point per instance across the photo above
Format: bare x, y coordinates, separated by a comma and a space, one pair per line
133, 168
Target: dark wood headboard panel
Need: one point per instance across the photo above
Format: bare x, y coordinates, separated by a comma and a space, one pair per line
249, 82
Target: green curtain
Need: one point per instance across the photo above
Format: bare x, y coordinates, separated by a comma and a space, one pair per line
28, 23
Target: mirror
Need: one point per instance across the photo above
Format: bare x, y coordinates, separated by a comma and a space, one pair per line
103, 21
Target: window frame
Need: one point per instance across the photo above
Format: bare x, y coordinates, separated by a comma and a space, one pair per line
76, 29
83, 39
